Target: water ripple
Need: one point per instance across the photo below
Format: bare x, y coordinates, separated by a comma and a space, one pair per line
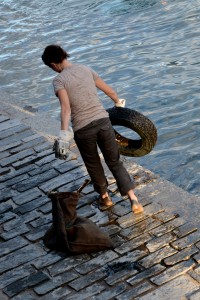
148, 50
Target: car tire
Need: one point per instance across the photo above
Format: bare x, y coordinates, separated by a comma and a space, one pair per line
137, 122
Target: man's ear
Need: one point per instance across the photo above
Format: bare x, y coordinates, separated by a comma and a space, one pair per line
52, 65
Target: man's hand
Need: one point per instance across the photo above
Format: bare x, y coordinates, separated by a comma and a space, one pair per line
61, 149
61, 145
121, 103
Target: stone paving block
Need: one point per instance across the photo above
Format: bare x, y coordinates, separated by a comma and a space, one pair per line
12, 130
7, 217
88, 189
35, 180
38, 170
198, 245
164, 217
174, 290
157, 256
173, 272
21, 284
74, 186
184, 254
67, 166
136, 291
123, 268
152, 271
133, 244
113, 188
117, 240
9, 124
31, 137
96, 262
27, 196
19, 220
126, 260
45, 146
59, 293
27, 207
37, 233
88, 279
12, 245
4, 171
27, 161
27, 295
187, 241
195, 296
4, 207
15, 274
45, 160
168, 227
47, 260
140, 228
121, 210
3, 296
13, 158
112, 293
55, 182
121, 274
3, 118
14, 173
63, 179
16, 137
197, 258
86, 199
195, 274
55, 282
131, 219
13, 141
36, 158
27, 145
44, 153
185, 229
160, 242
4, 154
100, 218
111, 229
14, 180
9, 146
42, 221
22, 256
14, 232
86, 211
45, 209
88, 293
67, 264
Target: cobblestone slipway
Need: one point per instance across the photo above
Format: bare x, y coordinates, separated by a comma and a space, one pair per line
156, 254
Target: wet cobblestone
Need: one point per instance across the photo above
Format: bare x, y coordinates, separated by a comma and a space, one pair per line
153, 252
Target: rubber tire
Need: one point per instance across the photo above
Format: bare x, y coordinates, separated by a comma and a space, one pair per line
134, 120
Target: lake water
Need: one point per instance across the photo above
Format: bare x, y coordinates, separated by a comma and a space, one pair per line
148, 50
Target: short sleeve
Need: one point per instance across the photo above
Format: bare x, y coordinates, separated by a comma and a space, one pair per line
58, 84
94, 74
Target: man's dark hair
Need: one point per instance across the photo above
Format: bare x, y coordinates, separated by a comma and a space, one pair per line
54, 54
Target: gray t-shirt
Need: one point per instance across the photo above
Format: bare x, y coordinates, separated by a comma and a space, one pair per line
79, 82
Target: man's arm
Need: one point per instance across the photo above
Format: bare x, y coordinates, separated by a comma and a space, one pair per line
104, 87
65, 109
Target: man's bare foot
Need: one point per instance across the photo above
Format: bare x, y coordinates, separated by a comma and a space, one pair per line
136, 207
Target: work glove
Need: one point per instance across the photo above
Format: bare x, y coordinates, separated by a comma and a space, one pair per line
61, 145
121, 103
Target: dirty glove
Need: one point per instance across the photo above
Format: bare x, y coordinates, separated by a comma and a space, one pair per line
121, 103
61, 145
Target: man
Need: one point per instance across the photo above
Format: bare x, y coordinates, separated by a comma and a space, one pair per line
76, 87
